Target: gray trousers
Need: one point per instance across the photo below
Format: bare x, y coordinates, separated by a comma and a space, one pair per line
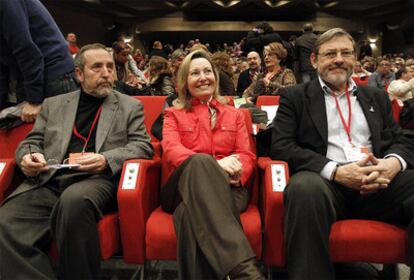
30, 221
313, 204
210, 238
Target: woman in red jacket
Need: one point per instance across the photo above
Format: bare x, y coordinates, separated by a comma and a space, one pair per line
206, 145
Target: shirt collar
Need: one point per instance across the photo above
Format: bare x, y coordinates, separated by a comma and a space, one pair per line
352, 87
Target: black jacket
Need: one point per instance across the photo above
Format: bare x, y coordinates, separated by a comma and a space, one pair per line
300, 129
256, 41
243, 82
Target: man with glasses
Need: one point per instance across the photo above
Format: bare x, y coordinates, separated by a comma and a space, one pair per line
98, 129
345, 154
383, 76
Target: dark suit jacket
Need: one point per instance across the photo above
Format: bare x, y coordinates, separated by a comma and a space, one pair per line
300, 129
243, 82
120, 134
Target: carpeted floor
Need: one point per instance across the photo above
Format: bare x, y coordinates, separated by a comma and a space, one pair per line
116, 269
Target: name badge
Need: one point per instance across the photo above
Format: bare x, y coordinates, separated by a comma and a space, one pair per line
355, 153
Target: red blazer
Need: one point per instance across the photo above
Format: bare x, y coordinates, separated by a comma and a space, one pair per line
189, 132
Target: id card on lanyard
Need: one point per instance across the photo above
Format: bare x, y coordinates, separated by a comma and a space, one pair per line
352, 151
74, 156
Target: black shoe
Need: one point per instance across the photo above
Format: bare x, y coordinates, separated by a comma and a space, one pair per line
246, 270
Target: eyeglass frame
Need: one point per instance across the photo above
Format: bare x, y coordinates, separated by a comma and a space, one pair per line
334, 54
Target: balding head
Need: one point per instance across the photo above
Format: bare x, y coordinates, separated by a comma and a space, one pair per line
254, 61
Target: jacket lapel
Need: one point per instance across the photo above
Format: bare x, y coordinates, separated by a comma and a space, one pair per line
109, 109
67, 119
317, 109
372, 116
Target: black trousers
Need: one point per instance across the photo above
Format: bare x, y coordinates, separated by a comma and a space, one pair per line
210, 237
30, 221
313, 204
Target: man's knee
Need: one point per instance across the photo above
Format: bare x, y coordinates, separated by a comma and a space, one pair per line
306, 187
73, 204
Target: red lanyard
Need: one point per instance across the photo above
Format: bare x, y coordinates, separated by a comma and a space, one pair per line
86, 140
347, 127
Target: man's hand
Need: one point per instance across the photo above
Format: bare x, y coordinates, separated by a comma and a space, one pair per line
92, 163
30, 111
233, 167
390, 166
33, 164
357, 174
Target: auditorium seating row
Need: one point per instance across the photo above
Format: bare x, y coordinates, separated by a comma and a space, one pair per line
144, 232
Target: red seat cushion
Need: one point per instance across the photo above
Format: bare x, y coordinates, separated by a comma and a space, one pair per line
109, 238
161, 242
368, 241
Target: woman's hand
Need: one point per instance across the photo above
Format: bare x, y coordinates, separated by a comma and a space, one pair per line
233, 167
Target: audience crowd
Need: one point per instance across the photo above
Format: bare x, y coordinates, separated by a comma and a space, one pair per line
334, 168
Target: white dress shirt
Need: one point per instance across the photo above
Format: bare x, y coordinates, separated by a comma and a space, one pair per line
337, 135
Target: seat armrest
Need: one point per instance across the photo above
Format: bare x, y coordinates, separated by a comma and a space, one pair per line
7, 170
275, 175
138, 192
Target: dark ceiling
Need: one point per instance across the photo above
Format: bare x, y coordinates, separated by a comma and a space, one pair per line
390, 12
387, 16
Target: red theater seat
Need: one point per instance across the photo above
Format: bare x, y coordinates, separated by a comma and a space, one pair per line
158, 234
397, 106
128, 193
108, 227
264, 100
361, 81
153, 106
350, 240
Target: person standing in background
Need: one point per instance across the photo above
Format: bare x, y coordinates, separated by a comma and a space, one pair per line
304, 45
34, 49
72, 43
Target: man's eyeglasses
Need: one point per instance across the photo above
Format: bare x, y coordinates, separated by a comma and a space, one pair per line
334, 54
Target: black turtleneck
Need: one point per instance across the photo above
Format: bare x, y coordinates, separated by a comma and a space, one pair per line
87, 109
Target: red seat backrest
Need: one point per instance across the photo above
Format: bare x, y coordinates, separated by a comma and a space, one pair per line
11, 138
267, 100
397, 106
361, 82
153, 106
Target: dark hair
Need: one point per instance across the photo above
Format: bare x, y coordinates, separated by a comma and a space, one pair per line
265, 27
400, 72
118, 46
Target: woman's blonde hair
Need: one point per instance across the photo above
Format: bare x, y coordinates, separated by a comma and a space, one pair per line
184, 96
277, 49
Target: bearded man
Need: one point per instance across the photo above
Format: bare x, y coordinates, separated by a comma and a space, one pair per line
346, 156
96, 129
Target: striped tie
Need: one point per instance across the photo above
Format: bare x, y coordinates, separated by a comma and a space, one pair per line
212, 115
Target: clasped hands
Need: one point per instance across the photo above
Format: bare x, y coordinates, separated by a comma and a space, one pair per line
233, 167
368, 175
33, 164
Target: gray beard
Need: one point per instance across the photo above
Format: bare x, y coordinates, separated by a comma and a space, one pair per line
101, 93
